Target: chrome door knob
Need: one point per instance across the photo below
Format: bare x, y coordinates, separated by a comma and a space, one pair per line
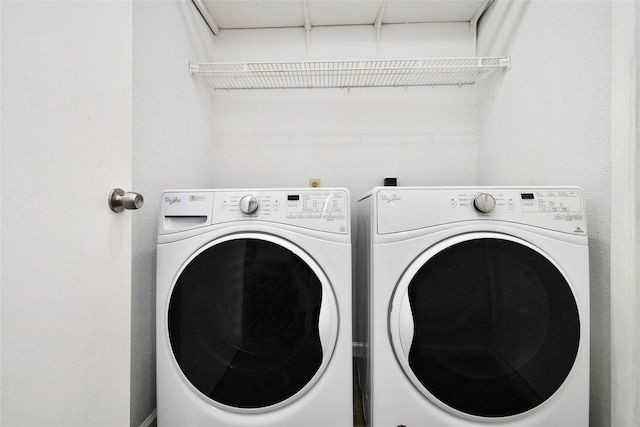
120, 200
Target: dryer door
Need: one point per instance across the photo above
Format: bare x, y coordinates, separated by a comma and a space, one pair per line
485, 325
252, 322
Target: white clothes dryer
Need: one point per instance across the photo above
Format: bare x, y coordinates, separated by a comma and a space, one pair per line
473, 306
254, 308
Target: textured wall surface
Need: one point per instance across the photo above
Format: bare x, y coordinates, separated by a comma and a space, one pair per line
547, 122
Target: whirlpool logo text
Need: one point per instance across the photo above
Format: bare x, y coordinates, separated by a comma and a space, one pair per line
389, 198
172, 200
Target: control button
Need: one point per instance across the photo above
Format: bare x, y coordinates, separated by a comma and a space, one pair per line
511, 204
249, 205
453, 203
484, 203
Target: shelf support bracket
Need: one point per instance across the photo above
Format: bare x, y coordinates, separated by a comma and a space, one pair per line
506, 62
193, 68
307, 25
378, 24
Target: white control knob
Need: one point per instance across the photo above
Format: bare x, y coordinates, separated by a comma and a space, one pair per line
249, 205
484, 203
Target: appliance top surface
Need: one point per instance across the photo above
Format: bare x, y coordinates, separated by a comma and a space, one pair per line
558, 209
318, 209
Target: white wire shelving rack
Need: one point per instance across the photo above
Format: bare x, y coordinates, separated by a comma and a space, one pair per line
349, 74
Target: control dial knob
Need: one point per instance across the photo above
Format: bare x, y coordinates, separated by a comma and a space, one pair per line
249, 204
484, 203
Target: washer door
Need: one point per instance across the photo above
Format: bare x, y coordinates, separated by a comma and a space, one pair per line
485, 325
252, 322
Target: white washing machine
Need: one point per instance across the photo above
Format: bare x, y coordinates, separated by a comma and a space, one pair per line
254, 308
473, 306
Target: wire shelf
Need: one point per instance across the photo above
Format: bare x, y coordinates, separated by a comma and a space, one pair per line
348, 74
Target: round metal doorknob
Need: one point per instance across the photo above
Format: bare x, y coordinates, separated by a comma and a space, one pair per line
119, 200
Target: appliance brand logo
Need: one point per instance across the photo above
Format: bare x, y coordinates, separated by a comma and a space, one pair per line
172, 200
390, 198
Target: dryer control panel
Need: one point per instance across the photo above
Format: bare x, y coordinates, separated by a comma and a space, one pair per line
411, 208
318, 209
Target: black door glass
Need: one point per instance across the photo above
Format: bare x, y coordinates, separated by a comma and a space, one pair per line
496, 327
243, 323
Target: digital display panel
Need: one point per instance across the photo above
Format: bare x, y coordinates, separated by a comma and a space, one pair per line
527, 196
293, 197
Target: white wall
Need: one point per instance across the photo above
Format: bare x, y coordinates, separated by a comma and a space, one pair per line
66, 258
352, 138
625, 215
548, 123
171, 149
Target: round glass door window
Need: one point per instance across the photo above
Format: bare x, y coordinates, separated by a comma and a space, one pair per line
485, 325
252, 322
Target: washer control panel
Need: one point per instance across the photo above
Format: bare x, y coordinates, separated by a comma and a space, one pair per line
317, 209
410, 208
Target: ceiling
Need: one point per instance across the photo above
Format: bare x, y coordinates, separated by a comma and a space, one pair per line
228, 14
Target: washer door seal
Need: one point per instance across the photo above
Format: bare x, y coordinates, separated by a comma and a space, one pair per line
485, 325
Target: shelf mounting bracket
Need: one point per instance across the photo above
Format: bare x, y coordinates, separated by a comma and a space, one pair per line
307, 25
378, 24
